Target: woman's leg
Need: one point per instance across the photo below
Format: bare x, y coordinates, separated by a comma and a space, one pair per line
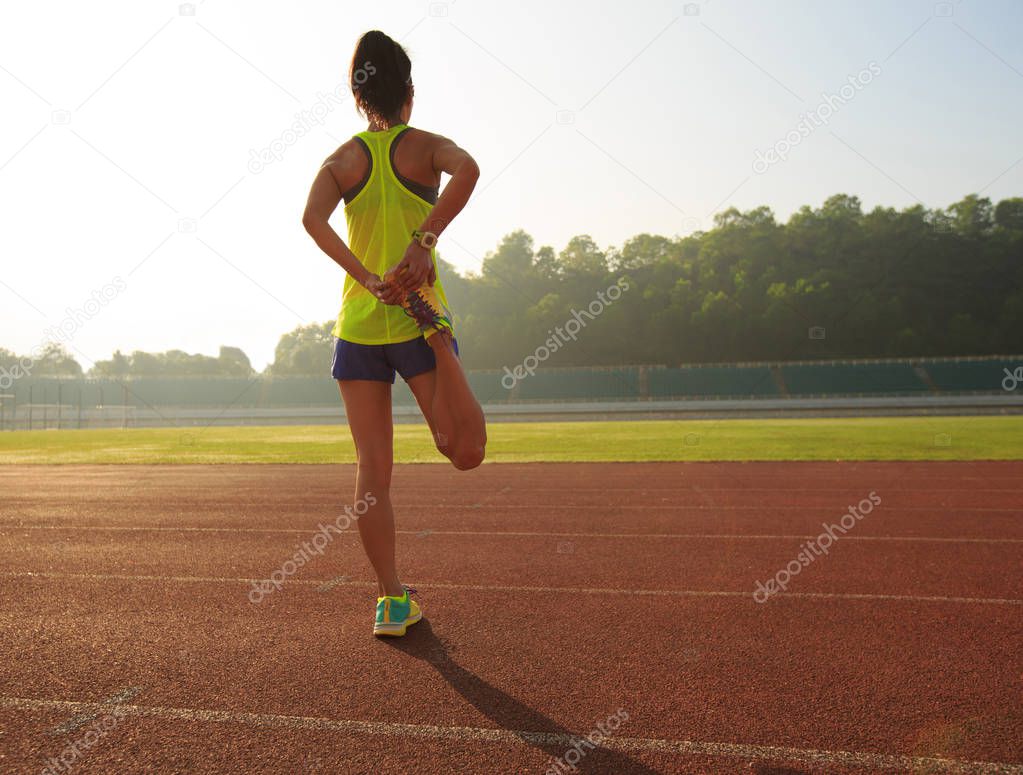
450, 408
368, 407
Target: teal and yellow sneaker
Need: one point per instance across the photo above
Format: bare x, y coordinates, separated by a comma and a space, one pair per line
425, 308
395, 614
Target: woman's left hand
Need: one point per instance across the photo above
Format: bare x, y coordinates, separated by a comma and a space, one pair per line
388, 292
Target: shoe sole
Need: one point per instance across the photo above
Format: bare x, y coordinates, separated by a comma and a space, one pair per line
395, 630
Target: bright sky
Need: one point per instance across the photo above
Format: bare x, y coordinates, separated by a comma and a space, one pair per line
128, 129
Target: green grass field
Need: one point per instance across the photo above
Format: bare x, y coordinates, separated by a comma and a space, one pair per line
895, 438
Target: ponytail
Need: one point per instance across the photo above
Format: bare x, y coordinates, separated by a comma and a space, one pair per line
380, 77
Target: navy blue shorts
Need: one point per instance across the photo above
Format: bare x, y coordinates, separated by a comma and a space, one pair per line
379, 362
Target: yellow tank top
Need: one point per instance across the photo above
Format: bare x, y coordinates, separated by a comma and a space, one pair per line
381, 216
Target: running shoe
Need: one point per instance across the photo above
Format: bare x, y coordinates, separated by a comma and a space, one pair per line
395, 614
425, 307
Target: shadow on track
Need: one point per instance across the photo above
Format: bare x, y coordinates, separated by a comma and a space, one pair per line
508, 713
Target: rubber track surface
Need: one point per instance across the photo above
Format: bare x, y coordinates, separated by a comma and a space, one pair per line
556, 596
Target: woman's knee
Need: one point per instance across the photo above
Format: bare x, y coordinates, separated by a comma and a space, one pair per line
468, 458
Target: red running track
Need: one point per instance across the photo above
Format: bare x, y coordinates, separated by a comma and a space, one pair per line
556, 596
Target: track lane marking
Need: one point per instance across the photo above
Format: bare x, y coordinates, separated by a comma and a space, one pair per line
328, 585
608, 508
863, 759
81, 719
516, 588
519, 533
692, 486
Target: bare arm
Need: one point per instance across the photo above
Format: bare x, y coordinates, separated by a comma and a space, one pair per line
416, 268
323, 200
464, 173
324, 197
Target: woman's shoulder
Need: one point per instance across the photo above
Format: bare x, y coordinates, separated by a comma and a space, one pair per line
348, 163
349, 151
425, 138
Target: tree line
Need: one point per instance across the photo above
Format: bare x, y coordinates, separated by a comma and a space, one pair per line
53, 360
831, 282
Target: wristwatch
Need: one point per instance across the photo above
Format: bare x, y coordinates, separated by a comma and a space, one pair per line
425, 238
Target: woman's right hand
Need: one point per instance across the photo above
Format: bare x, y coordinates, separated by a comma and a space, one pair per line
387, 292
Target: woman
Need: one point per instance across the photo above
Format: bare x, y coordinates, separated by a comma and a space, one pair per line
394, 313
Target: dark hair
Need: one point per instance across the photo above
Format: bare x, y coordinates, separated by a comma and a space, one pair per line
380, 77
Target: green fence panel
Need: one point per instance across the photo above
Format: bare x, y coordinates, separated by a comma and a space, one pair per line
972, 376
581, 384
711, 382
851, 378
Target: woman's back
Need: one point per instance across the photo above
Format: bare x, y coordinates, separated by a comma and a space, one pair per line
389, 186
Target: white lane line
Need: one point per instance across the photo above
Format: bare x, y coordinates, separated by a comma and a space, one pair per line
610, 508
697, 487
866, 760
518, 534
328, 585
512, 588
84, 718
686, 486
